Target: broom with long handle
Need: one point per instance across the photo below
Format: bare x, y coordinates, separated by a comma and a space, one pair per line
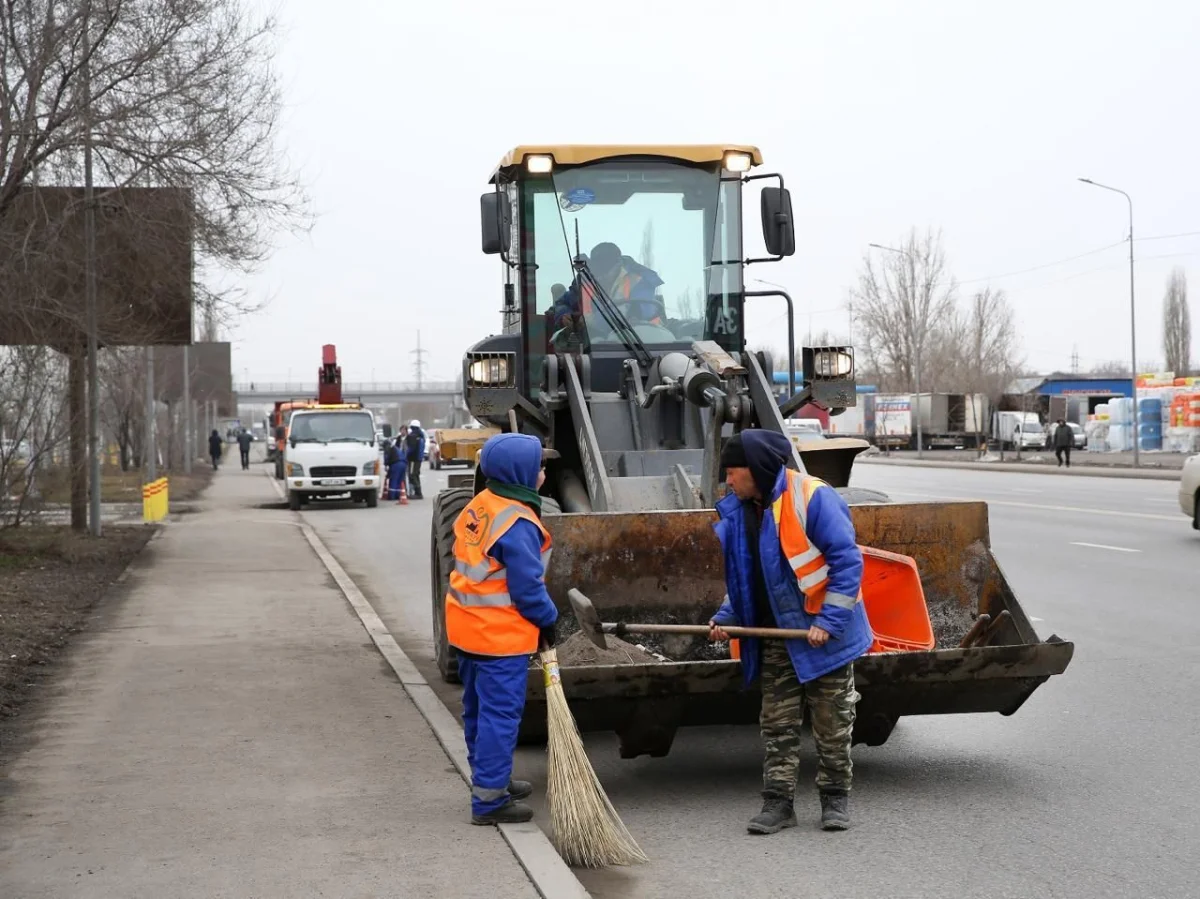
587, 829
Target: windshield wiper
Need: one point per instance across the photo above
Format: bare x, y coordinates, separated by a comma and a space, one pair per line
613, 316
307, 440
349, 440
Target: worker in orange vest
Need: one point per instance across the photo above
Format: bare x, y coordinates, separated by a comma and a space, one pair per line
497, 612
792, 560
629, 284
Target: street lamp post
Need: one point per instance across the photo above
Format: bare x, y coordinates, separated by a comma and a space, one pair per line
1132, 316
916, 345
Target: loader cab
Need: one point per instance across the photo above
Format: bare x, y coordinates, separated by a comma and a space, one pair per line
656, 230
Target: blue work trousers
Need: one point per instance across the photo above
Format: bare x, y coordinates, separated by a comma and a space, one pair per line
493, 701
395, 479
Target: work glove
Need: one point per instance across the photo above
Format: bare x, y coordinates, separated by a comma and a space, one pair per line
547, 636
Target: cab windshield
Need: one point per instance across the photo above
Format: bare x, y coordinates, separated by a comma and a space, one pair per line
662, 241
333, 427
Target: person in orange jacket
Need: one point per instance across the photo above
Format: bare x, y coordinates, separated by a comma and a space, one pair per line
497, 612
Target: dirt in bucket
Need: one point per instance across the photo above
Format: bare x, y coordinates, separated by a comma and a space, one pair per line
578, 651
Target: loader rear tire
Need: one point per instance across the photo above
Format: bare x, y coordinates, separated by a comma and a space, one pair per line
446, 507
863, 496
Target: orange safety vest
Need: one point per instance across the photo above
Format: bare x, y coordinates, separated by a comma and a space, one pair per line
806, 560
621, 290
481, 617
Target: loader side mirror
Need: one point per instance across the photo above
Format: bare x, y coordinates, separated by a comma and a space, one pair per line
779, 229
495, 223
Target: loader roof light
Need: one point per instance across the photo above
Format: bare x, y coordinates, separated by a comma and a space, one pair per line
736, 161
539, 164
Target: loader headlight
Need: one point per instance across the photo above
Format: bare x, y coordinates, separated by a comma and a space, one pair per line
832, 363
539, 163
491, 370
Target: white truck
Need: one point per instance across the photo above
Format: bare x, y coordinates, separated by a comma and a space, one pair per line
332, 452
1015, 429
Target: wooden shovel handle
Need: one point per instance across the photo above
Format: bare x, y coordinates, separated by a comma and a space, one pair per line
702, 630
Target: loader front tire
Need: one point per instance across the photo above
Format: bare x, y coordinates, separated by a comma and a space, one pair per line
446, 508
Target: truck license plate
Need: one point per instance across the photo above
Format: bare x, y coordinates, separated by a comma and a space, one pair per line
333, 482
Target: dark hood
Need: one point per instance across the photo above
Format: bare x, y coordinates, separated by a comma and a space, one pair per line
767, 453
512, 459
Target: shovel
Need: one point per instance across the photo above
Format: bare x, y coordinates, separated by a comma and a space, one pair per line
595, 629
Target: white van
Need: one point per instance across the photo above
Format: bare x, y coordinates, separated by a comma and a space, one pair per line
332, 452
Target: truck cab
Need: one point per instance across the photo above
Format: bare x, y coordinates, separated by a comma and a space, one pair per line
332, 452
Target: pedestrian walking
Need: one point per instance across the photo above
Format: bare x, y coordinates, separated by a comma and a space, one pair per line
497, 611
414, 452
792, 561
1064, 439
215, 447
244, 440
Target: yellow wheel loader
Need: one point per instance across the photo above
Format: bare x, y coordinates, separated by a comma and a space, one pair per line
623, 350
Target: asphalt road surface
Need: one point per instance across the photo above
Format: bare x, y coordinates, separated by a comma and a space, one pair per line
1089, 790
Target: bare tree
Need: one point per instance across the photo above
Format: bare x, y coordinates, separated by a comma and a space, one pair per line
1177, 324
902, 303
123, 401
648, 245
181, 94
33, 426
988, 347
174, 94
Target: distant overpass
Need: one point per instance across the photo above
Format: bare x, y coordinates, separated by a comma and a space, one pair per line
379, 393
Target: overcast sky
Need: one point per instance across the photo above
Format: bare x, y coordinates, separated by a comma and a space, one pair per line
969, 117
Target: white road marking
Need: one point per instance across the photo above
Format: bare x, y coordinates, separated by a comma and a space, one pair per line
1049, 508
1119, 549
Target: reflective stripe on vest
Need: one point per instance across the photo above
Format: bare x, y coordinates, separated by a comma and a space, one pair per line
622, 289
808, 563
480, 614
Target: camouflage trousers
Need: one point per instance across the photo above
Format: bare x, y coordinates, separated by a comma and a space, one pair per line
830, 700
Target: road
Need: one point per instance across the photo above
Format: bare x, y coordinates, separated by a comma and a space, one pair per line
1088, 791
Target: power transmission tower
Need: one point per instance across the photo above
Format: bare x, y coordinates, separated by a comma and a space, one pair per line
1075, 360
419, 362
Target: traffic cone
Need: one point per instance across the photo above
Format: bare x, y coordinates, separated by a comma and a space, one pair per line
403, 501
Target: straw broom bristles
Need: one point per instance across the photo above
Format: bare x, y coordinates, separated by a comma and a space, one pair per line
588, 832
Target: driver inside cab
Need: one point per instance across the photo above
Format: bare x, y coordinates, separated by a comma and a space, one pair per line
629, 284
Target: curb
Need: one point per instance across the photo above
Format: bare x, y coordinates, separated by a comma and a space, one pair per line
1132, 474
541, 862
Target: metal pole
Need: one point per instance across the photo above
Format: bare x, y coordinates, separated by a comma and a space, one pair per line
187, 411
1133, 343
1132, 318
151, 415
93, 341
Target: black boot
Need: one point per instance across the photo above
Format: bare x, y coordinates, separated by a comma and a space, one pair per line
777, 813
835, 810
512, 812
520, 789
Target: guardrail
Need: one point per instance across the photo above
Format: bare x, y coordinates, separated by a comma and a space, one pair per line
310, 389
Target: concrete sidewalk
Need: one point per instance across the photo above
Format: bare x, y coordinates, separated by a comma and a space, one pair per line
231, 731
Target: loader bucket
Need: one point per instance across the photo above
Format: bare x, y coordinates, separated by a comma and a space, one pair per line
666, 567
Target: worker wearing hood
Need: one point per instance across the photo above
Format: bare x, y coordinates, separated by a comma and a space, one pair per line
497, 612
792, 561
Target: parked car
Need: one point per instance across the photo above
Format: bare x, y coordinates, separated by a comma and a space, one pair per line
1076, 430
1189, 489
